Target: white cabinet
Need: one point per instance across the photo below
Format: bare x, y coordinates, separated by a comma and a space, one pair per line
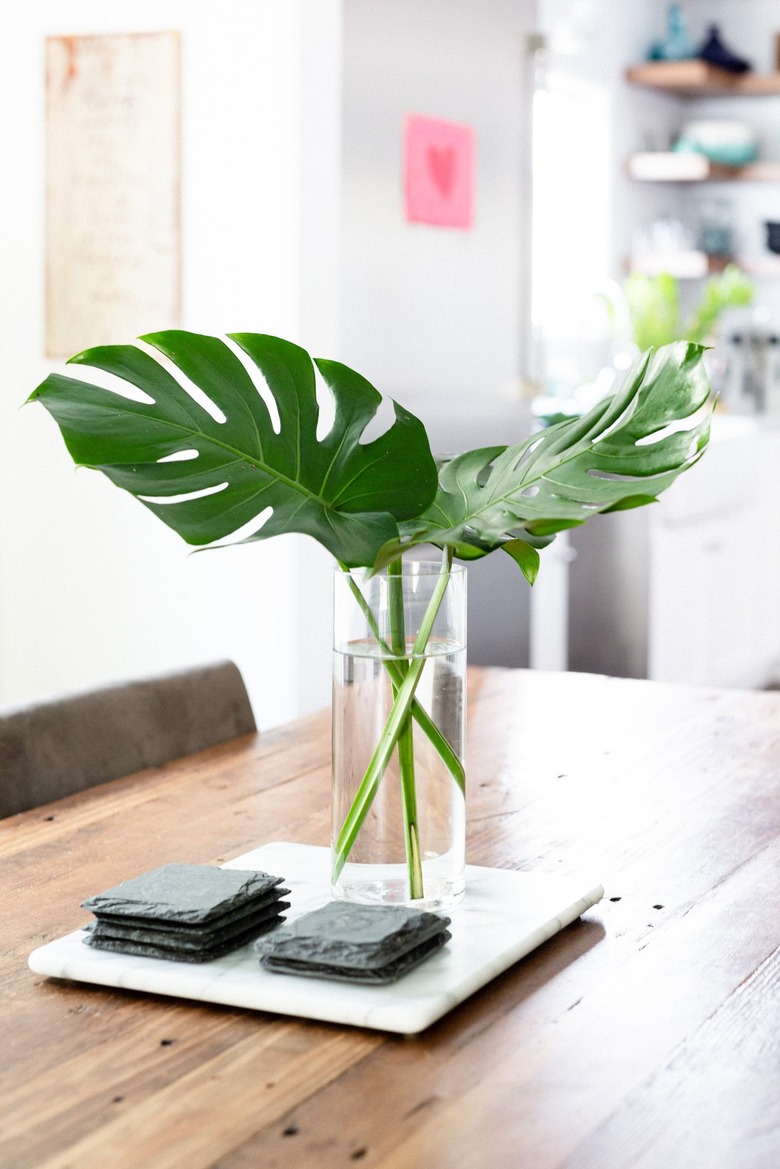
714, 565
688, 590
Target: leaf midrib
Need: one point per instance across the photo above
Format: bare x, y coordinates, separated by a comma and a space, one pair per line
495, 499
242, 456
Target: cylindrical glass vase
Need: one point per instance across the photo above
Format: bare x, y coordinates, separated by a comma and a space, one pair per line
399, 696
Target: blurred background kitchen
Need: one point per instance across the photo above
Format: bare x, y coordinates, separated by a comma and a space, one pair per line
244, 166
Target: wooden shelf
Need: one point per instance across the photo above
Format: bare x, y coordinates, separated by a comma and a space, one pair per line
698, 79
692, 265
670, 167
697, 265
766, 267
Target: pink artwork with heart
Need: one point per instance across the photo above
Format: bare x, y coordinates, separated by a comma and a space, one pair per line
439, 172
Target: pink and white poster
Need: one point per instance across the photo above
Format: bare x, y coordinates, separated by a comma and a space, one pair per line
439, 172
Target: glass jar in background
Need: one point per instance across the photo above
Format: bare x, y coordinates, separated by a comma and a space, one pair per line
715, 228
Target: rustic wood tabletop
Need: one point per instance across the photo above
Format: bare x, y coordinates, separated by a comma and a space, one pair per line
647, 1034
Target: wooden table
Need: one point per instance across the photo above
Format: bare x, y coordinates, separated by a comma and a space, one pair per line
647, 1034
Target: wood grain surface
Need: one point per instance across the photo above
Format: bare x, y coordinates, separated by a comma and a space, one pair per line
645, 1035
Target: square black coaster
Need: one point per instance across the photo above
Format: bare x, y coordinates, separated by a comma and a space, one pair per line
174, 953
374, 976
185, 939
365, 943
183, 893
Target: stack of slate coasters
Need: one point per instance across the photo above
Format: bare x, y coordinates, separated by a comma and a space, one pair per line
354, 943
186, 913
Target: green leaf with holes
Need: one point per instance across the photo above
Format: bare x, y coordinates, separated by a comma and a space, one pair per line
206, 478
621, 454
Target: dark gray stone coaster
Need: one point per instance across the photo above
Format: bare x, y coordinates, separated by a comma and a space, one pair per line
265, 902
178, 954
353, 937
178, 939
375, 977
183, 893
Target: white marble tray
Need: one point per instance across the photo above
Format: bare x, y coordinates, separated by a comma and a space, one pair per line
503, 916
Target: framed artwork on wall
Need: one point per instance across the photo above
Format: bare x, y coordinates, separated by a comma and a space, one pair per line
113, 188
438, 172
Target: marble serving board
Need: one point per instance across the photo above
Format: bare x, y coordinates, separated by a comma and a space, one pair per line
503, 916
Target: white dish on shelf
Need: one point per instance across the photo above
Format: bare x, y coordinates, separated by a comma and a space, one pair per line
668, 166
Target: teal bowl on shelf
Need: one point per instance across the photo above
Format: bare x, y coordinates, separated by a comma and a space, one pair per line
724, 155
726, 143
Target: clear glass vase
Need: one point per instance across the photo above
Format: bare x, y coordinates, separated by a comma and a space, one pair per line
399, 694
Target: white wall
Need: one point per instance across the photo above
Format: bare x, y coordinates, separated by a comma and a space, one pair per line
93, 587
320, 305
434, 314
589, 208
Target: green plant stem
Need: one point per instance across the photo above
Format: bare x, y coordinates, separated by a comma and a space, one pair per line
441, 744
405, 746
389, 737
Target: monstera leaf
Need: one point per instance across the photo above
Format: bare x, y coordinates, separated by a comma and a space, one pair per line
621, 454
207, 478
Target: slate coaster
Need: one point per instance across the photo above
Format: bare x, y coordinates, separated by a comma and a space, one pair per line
234, 919
185, 938
362, 943
174, 953
183, 893
372, 976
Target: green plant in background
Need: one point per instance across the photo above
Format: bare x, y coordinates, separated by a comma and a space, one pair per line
368, 502
731, 289
654, 306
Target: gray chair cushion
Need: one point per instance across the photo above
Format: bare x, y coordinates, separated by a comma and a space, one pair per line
51, 749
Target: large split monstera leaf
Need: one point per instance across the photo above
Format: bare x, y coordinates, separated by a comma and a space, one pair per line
206, 478
621, 454
366, 501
